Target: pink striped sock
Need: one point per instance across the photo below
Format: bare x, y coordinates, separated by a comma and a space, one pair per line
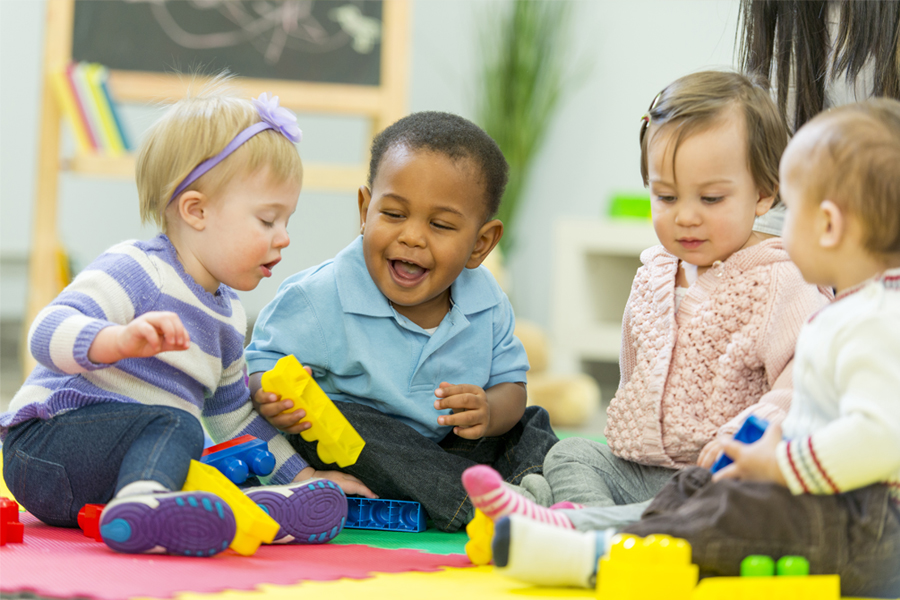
488, 494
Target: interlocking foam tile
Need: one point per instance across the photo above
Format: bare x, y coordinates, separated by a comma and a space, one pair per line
478, 583
430, 540
59, 562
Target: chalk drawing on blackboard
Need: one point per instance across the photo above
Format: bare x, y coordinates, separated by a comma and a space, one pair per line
322, 41
272, 26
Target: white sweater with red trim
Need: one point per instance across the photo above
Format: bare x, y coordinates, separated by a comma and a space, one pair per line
844, 421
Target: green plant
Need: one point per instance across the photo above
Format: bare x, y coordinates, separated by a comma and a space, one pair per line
524, 45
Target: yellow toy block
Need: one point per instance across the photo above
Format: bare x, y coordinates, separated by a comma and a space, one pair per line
338, 441
481, 532
650, 568
810, 587
254, 525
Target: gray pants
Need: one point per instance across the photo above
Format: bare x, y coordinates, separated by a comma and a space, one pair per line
587, 472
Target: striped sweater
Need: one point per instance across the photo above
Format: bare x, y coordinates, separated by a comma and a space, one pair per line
844, 422
208, 380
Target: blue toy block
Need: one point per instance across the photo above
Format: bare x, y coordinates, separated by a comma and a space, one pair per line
751, 430
390, 515
240, 457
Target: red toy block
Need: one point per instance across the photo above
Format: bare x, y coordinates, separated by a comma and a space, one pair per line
225, 445
10, 529
89, 520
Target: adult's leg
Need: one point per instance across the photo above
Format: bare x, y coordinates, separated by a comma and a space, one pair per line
84, 456
587, 472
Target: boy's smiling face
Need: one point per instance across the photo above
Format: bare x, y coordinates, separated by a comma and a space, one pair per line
423, 222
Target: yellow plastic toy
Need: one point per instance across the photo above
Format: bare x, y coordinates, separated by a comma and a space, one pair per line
338, 441
481, 532
254, 526
657, 566
811, 587
758, 580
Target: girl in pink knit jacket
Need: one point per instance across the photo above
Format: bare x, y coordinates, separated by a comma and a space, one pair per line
709, 331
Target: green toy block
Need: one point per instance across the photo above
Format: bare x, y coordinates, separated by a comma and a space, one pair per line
630, 206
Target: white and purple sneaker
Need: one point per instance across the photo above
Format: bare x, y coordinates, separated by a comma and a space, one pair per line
309, 512
182, 523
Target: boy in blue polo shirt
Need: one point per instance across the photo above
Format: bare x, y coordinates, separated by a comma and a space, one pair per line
407, 332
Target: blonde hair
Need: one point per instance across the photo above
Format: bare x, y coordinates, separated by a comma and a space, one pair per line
855, 163
695, 102
196, 128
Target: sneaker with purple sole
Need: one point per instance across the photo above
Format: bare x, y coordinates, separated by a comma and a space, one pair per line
309, 512
182, 523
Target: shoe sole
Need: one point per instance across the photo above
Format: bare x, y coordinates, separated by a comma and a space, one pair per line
312, 512
185, 523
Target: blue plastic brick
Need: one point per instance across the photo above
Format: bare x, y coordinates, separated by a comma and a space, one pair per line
751, 430
237, 462
389, 515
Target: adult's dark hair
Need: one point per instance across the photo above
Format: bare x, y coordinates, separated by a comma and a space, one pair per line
787, 42
450, 135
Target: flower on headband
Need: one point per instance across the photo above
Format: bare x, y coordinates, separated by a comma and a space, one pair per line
278, 117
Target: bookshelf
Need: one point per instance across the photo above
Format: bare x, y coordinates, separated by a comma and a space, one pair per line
595, 261
382, 104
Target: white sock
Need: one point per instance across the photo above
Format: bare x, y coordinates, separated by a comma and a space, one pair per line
543, 554
144, 486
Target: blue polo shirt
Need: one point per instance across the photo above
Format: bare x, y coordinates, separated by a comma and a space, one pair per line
336, 321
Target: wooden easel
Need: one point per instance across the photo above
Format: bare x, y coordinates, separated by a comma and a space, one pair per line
383, 104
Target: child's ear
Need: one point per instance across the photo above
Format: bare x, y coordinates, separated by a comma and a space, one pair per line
192, 208
833, 224
764, 203
364, 196
488, 237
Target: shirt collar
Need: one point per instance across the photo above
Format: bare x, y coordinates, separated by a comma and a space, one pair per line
472, 292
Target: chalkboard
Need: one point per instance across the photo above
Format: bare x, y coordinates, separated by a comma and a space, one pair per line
324, 41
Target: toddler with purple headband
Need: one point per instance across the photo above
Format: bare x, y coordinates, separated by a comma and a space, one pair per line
147, 342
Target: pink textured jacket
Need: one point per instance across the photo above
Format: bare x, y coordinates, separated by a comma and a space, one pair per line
727, 353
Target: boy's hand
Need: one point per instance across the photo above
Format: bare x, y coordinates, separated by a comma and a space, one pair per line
271, 407
348, 483
756, 461
471, 416
147, 335
710, 452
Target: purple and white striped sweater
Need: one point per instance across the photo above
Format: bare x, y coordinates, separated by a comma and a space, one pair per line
207, 380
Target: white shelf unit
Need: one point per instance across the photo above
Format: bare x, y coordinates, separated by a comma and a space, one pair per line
594, 264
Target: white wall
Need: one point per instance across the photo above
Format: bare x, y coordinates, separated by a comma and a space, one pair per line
637, 47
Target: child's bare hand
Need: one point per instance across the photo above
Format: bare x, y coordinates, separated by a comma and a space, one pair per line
147, 335
756, 461
271, 407
350, 484
711, 452
471, 412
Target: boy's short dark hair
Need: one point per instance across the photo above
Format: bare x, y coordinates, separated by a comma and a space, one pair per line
450, 135
856, 164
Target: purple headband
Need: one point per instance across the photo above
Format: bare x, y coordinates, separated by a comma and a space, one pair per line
273, 117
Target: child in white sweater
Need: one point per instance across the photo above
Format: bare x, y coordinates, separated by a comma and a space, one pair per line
826, 483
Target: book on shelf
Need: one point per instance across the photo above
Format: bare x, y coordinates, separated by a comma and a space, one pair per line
83, 93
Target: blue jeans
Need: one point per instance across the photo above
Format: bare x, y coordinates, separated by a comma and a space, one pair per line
85, 456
